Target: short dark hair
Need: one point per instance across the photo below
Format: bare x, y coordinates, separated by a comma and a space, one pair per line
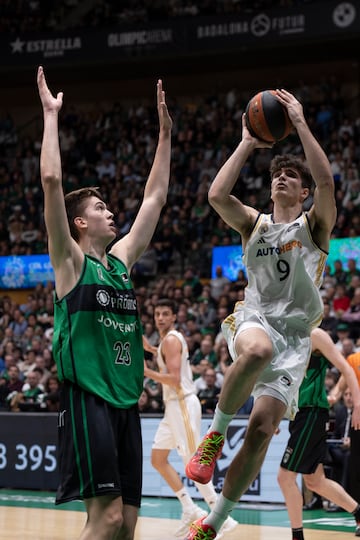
289, 160
166, 302
75, 204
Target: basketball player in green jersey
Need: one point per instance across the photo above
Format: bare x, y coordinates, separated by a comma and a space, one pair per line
268, 334
306, 448
97, 341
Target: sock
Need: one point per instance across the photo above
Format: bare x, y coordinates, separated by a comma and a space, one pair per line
220, 421
298, 534
220, 512
356, 514
208, 493
186, 501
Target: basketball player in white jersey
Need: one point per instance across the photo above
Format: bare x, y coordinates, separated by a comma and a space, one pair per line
269, 333
180, 427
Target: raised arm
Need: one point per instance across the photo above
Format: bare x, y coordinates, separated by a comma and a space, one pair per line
323, 342
323, 212
131, 247
64, 253
239, 216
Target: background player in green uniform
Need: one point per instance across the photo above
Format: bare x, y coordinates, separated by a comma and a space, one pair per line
306, 447
97, 338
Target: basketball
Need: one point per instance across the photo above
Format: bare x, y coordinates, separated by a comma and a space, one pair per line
266, 118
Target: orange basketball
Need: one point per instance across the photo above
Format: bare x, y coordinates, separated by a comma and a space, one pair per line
266, 118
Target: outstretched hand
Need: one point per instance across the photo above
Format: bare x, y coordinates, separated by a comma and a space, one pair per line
165, 120
49, 102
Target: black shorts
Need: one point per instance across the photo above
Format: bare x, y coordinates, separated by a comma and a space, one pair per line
100, 448
307, 443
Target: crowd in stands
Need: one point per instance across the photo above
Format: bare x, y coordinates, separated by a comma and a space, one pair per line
113, 146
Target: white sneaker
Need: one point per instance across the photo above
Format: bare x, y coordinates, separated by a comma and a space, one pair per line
187, 519
228, 525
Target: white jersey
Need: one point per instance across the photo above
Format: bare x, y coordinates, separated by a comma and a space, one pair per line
186, 377
285, 270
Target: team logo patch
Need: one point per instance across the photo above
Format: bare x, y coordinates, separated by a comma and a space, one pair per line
285, 380
287, 455
263, 229
125, 277
293, 226
103, 297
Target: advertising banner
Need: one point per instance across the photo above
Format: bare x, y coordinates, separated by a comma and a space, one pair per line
28, 457
297, 25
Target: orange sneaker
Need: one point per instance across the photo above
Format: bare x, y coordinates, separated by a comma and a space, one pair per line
201, 531
201, 466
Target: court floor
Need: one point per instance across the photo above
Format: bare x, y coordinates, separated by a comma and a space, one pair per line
31, 515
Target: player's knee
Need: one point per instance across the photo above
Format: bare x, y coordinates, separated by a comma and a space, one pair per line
257, 355
156, 462
113, 520
311, 482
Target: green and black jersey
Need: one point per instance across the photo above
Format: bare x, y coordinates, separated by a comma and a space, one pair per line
97, 341
312, 392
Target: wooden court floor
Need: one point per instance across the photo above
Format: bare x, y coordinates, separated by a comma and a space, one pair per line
34, 517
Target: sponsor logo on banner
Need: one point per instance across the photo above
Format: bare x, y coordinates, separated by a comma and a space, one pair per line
49, 48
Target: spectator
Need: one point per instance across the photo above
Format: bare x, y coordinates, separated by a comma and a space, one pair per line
241, 279
52, 394
339, 273
331, 378
150, 333
205, 316
153, 390
352, 314
29, 362
144, 402
10, 382
191, 280
9, 360
353, 270
217, 283
224, 359
329, 322
341, 301
208, 389
40, 363
201, 382
18, 324
31, 396
348, 347
353, 285
204, 352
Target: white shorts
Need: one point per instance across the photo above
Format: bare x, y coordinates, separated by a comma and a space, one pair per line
180, 428
283, 376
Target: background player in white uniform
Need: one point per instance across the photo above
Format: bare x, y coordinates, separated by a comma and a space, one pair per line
180, 427
269, 334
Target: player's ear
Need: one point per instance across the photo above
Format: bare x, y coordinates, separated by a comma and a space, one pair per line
80, 222
305, 192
